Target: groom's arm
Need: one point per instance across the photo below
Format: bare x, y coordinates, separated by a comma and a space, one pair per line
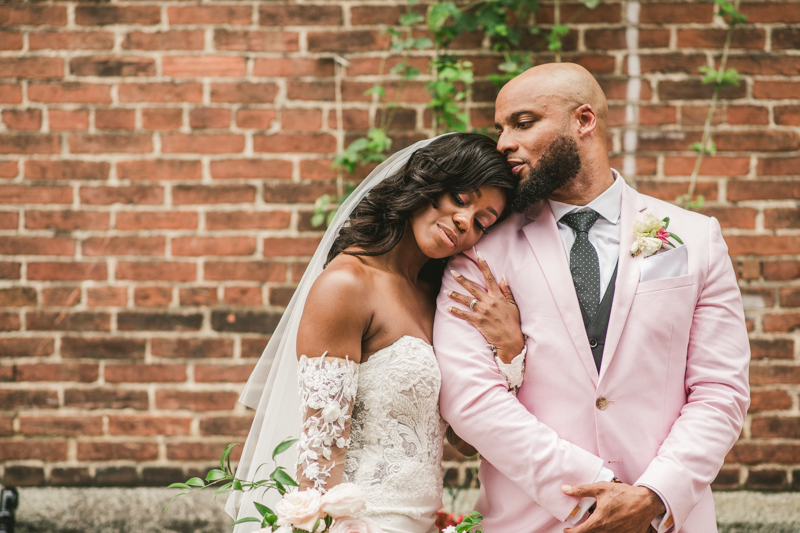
475, 401
717, 389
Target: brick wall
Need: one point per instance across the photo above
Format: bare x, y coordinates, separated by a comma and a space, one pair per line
159, 161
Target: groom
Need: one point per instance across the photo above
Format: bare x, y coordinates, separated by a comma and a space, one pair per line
636, 365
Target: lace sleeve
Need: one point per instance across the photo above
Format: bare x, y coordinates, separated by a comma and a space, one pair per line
327, 388
514, 372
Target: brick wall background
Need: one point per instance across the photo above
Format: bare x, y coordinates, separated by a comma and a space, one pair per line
158, 165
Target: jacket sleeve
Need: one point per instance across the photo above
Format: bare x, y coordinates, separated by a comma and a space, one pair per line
716, 386
476, 402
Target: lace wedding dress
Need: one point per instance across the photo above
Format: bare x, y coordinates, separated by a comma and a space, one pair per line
377, 424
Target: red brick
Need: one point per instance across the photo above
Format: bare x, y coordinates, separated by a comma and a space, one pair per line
788, 115
213, 246
346, 41
752, 453
670, 13
161, 92
245, 93
656, 115
768, 400
70, 92
790, 296
9, 270
222, 373
141, 373
17, 297
256, 41
226, 220
160, 321
243, 296
286, 67
782, 323
779, 166
711, 166
782, 218
192, 348
105, 399
672, 62
785, 38
23, 119
33, 15
10, 93
165, 40
210, 117
199, 451
27, 399
245, 271
13, 194
223, 143
71, 40
747, 115
783, 12
358, 119
66, 170
117, 451
260, 119
160, 169
84, 373
198, 296
139, 195
767, 64
68, 477
9, 322
697, 115
743, 37
32, 67
203, 66
115, 119
112, 66
102, 15
29, 144
61, 119
72, 271
152, 296
195, 401
318, 169
766, 141
290, 246
220, 14
762, 190
142, 220
62, 321
12, 347
9, 220
280, 296
9, 169
104, 246
696, 90
784, 427
156, 271
110, 143
106, 296
10, 40
295, 143
185, 194
303, 15
30, 449
226, 425
162, 119
37, 246
61, 425
66, 220
251, 169
306, 90
148, 425
61, 296
296, 192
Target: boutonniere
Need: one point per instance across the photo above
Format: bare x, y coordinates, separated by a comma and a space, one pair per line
652, 235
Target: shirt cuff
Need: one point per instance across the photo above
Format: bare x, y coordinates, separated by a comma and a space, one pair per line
585, 503
663, 523
514, 372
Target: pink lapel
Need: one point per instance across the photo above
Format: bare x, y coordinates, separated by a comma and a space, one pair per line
542, 235
627, 274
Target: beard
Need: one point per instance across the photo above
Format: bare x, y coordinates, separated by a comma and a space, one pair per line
558, 165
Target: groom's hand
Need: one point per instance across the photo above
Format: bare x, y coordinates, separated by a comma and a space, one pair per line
620, 508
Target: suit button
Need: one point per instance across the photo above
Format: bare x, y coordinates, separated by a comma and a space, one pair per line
601, 403
593, 343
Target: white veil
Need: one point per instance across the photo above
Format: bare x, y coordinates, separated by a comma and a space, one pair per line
272, 388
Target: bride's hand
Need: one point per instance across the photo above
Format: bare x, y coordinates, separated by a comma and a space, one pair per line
494, 312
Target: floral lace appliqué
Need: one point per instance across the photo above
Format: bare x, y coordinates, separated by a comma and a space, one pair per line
328, 387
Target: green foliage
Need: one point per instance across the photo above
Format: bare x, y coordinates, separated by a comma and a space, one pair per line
448, 90
730, 13
365, 150
709, 149
686, 201
554, 38
471, 523
720, 78
225, 482
325, 207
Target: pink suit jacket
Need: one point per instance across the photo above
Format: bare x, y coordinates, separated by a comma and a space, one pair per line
674, 375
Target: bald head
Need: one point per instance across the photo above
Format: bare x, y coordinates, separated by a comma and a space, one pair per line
569, 83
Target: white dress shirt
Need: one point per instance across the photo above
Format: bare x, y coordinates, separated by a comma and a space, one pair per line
604, 235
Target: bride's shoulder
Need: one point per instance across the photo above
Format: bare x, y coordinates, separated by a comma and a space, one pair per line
345, 279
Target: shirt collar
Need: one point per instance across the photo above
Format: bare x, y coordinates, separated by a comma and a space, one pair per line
608, 204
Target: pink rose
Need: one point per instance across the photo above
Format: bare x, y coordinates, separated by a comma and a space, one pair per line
346, 499
663, 235
300, 509
348, 524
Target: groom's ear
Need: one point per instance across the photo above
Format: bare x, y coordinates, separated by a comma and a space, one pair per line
587, 119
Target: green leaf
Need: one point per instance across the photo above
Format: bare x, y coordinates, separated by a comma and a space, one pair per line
225, 457
282, 447
666, 222
376, 90
410, 19
676, 238
280, 476
423, 43
237, 485
591, 4
179, 486
196, 482
262, 509
247, 519
215, 475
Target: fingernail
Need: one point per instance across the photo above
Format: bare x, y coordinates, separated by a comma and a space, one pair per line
503, 279
454, 273
480, 255
566, 488
448, 293
450, 309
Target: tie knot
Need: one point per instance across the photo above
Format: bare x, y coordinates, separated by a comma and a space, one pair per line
582, 221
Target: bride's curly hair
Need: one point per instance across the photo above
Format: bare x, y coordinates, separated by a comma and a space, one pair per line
453, 164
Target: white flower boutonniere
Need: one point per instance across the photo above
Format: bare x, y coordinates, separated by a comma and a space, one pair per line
652, 235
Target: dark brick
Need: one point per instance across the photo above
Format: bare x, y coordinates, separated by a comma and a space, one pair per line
158, 322
244, 322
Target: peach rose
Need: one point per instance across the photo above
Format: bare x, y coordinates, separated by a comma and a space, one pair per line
348, 524
300, 509
346, 499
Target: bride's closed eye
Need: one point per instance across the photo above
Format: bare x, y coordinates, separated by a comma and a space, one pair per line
462, 203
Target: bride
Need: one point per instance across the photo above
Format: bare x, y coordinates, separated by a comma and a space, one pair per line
353, 373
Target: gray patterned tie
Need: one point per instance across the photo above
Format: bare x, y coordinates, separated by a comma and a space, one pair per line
583, 262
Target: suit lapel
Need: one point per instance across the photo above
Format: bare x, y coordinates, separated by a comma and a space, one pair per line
627, 274
542, 235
